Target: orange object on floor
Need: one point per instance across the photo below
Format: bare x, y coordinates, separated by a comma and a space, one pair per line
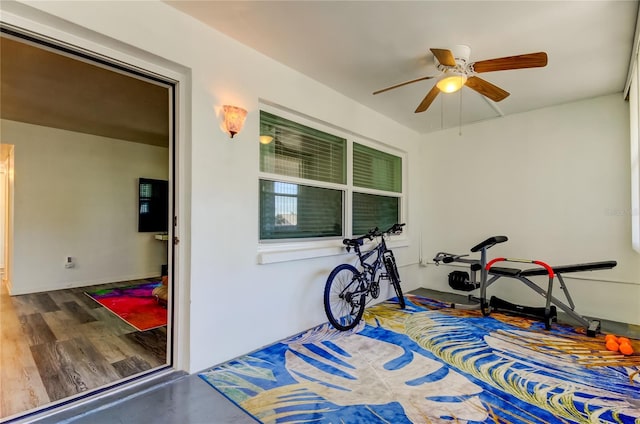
610, 337
612, 345
626, 349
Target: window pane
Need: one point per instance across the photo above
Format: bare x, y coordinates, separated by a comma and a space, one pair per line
300, 151
370, 211
375, 169
298, 211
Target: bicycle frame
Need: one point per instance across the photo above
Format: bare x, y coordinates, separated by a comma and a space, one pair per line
371, 268
368, 270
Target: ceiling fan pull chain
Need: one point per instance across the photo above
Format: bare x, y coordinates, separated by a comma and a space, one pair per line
441, 112
460, 116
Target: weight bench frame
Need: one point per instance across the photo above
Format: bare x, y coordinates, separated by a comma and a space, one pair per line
548, 313
490, 274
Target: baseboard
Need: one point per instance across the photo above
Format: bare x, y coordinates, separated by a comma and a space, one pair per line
7, 285
84, 283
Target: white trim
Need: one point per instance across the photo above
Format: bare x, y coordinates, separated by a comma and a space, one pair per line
631, 92
300, 181
634, 120
284, 252
633, 60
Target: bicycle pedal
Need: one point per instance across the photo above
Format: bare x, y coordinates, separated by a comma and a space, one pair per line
374, 289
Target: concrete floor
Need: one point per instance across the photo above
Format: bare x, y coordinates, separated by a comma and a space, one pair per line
186, 399
183, 399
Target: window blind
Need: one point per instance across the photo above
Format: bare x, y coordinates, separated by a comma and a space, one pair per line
300, 151
375, 169
370, 211
290, 211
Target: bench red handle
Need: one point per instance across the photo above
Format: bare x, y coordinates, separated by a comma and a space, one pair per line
526, 261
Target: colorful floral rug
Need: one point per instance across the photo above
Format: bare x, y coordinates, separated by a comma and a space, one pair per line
431, 364
134, 304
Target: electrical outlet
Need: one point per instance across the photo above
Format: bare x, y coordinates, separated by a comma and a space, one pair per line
68, 262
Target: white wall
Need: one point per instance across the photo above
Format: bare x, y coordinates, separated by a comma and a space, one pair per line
77, 195
634, 118
236, 305
556, 181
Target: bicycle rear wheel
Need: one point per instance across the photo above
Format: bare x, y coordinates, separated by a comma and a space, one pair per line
394, 276
343, 301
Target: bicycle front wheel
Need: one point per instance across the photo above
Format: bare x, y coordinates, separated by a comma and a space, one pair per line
343, 300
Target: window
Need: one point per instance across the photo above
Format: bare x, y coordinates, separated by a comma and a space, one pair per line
294, 211
370, 211
381, 172
305, 189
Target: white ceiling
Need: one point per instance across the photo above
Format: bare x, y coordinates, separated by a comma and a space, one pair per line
357, 47
44, 86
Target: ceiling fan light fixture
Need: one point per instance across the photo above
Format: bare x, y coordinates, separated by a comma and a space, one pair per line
266, 139
267, 133
451, 82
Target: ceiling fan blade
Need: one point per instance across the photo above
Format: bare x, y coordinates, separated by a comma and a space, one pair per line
444, 56
401, 84
531, 60
428, 99
485, 88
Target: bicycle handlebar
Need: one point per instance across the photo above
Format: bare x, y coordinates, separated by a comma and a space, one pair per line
375, 232
395, 229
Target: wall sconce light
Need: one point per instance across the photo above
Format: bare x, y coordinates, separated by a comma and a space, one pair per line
234, 117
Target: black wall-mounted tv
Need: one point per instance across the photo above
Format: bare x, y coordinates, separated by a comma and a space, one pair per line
153, 205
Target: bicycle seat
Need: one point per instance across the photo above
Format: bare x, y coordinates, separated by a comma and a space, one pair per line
353, 242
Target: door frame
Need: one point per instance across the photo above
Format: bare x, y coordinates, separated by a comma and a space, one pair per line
27, 22
6, 168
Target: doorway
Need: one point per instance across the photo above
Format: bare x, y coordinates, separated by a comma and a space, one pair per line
85, 132
6, 210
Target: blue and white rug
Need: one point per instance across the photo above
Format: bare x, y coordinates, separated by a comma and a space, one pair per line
432, 364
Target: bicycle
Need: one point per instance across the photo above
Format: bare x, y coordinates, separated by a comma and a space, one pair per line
347, 287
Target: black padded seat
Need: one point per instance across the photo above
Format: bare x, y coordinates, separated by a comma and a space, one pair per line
562, 269
507, 272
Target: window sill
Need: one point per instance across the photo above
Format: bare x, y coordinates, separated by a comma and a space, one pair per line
268, 254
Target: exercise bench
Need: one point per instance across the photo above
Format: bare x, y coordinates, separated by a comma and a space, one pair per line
548, 313
489, 274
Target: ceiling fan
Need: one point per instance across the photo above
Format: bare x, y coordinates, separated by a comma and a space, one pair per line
456, 71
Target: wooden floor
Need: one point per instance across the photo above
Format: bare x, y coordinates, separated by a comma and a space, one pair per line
61, 343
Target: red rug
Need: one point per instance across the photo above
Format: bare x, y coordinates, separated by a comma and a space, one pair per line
134, 304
